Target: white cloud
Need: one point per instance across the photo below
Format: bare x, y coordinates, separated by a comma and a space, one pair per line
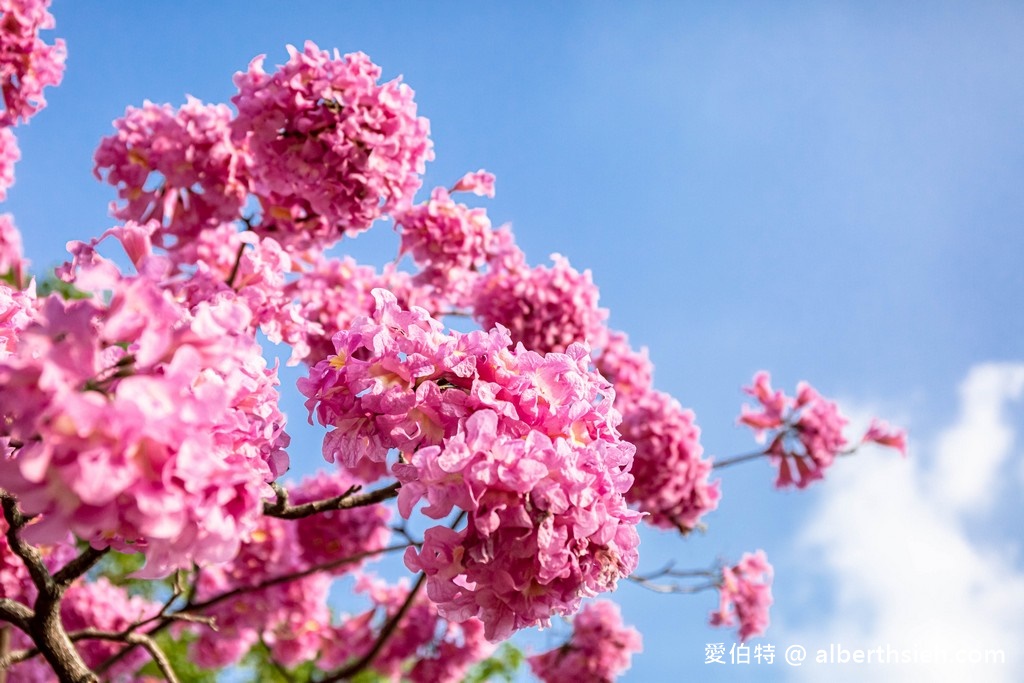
891, 540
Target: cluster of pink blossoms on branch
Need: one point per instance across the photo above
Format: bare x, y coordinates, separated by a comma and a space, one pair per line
142, 439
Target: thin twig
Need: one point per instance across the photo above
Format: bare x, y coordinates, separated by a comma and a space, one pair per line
293, 576
735, 460
346, 672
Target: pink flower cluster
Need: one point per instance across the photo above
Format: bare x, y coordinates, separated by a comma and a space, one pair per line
334, 535
806, 431
27, 64
671, 475
334, 292
291, 616
442, 651
745, 594
141, 425
179, 167
450, 242
9, 155
599, 650
545, 309
331, 149
524, 443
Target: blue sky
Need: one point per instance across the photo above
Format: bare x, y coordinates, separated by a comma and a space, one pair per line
830, 191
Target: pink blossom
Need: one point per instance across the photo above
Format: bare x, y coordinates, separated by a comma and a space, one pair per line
745, 595
142, 425
27, 64
291, 617
631, 372
332, 150
449, 242
334, 292
880, 432
546, 309
437, 650
523, 442
600, 649
337, 534
178, 167
806, 431
671, 476
105, 607
9, 155
16, 311
480, 183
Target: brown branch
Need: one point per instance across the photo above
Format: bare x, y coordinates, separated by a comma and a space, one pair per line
293, 576
45, 626
79, 566
345, 673
29, 554
153, 648
5, 647
670, 587
350, 499
15, 612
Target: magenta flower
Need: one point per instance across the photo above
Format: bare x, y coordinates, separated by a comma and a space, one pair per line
806, 432
545, 309
178, 167
600, 649
27, 64
880, 432
745, 595
331, 149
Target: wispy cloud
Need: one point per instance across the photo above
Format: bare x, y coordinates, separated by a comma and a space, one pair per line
892, 541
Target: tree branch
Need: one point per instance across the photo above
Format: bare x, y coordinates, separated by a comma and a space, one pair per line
350, 499
79, 566
735, 460
346, 672
15, 612
287, 578
29, 554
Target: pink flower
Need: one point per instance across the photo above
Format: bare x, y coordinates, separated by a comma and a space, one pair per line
27, 64
599, 650
480, 183
9, 155
525, 443
337, 534
880, 432
332, 150
806, 432
545, 309
141, 425
178, 167
631, 372
745, 595
449, 242
291, 617
670, 475
426, 648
